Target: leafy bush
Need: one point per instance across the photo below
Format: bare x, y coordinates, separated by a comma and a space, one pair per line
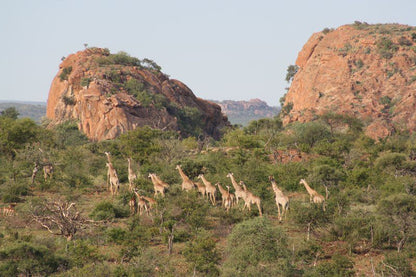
257, 248
26, 259
339, 266
85, 81
201, 252
396, 264
107, 211
13, 193
65, 72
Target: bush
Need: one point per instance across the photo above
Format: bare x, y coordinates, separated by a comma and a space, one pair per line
107, 211
396, 264
256, 248
339, 266
25, 259
12, 193
65, 72
201, 252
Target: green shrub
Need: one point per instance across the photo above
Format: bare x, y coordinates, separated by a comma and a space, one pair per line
396, 264
202, 254
65, 72
339, 266
256, 248
13, 193
68, 100
26, 259
107, 211
85, 81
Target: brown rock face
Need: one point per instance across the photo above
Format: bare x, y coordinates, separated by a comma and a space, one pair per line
109, 94
368, 71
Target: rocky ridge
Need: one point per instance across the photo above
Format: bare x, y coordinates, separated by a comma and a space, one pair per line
109, 94
367, 71
242, 112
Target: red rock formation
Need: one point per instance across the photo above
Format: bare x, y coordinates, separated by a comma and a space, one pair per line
368, 71
92, 88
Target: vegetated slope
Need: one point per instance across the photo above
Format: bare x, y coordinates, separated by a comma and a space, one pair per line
367, 71
33, 110
242, 112
109, 94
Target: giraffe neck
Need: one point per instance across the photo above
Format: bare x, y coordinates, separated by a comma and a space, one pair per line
184, 177
130, 169
275, 187
221, 189
205, 181
235, 185
308, 188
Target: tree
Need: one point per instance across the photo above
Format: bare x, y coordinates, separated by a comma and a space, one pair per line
291, 72
310, 215
398, 211
10, 113
60, 215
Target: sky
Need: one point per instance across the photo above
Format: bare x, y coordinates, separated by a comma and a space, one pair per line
221, 49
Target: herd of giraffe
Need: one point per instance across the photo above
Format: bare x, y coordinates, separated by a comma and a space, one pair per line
142, 204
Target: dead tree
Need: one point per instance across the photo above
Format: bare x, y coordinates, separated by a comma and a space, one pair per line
59, 218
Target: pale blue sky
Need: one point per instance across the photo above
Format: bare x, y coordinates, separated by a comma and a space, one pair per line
235, 50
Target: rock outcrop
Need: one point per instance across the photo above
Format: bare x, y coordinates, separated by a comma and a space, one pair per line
242, 112
109, 94
368, 71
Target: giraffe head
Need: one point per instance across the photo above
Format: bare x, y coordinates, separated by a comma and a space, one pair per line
129, 160
178, 167
302, 181
271, 178
107, 153
150, 175
229, 175
217, 184
200, 176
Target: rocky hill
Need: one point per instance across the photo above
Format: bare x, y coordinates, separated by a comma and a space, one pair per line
242, 112
109, 94
363, 70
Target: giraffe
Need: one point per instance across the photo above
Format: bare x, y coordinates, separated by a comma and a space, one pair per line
314, 196
250, 198
166, 185
35, 172
225, 195
9, 211
187, 184
132, 175
158, 187
141, 204
133, 204
280, 198
151, 202
239, 192
210, 189
47, 171
201, 188
113, 179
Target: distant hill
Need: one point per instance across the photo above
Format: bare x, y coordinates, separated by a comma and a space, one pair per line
33, 110
242, 112
238, 112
